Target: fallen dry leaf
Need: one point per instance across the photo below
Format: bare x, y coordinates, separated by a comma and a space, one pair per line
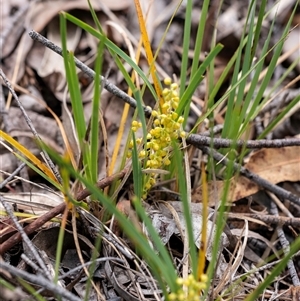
274, 165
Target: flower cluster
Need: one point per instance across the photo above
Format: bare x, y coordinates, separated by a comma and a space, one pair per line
166, 127
193, 288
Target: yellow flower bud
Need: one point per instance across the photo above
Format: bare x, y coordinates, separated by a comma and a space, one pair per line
174, 94
155, 146
180, 119
174, 115
142, 154
156, 122
174, 105
167, 162
167, 81
174, 86
165, 92
154, 113
179, 281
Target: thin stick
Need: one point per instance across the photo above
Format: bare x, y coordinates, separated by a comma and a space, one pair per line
89, 72
11, 176
25, 238
200, 140
39, 280
286, 247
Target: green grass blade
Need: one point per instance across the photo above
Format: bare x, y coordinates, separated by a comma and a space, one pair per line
137, 171
72, 80
219, 226
186, 208
115, 49
165, 257
94, 140
199, 37
186, 45
271, 68
185, 99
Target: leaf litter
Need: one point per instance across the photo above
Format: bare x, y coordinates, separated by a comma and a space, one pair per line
125, 276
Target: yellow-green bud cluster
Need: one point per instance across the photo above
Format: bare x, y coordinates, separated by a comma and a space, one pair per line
166, 127
190, 289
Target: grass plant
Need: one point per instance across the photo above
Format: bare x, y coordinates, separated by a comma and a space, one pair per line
160, 150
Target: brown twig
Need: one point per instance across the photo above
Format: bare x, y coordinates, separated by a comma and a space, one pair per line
269, 219
286, 247
200, 140
102, 183
89, 72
